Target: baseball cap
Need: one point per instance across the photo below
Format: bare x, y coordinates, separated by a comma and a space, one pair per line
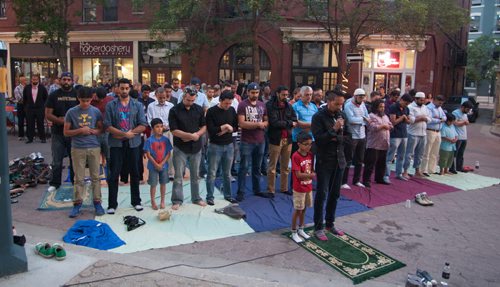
67, 74
195, 81
419, 95
252, 86
359, 92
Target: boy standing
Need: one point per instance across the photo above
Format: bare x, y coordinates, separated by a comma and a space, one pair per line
83, 124
449, 137
302, 176
157, 149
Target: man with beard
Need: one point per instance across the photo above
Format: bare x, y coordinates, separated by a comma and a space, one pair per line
58, 103
252, 118
317, 97
176, 90
34, 97
431, 153
417, 136
125, 121
282, 119
327, 127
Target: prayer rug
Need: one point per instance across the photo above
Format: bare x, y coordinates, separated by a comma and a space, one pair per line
62, 198
189, 224
351, 257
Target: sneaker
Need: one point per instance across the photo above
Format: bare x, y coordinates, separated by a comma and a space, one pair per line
59, 251
453, 171
359, 184
110, 211
320, 235
302, 234
400, 177
75, 211
44, 250
345, 186
52, 188
138, 207
98, 209
296, 237
210, 202
420, 200
335, 231
387, 180
231, 200
424, 196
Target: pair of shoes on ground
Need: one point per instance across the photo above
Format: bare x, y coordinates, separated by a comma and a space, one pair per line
320, 234
111, 210
423, 199
358, 184
75, 211
299, 235
46, 250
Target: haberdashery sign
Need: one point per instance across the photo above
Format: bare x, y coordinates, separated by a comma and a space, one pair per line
102, 49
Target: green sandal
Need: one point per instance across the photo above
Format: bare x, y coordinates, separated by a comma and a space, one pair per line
59, 251
44, 250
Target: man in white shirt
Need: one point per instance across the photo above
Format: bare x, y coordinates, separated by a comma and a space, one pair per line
18, 99
431, 153
176, 90
417, 134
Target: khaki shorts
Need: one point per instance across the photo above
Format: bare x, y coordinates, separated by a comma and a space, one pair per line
301, 200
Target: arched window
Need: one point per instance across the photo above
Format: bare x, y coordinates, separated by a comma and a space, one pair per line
236, 64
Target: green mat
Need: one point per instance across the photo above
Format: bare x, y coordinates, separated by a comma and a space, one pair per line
350, 256
62, 198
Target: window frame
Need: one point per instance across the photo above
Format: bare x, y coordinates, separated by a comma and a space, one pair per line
3, 9
106, 7
89, 5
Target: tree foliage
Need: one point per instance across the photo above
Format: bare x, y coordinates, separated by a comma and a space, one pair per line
46, 21
480, 61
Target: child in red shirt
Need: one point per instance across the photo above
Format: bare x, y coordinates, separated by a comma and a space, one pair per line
302, 176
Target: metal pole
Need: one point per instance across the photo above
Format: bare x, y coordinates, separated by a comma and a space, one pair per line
13, 257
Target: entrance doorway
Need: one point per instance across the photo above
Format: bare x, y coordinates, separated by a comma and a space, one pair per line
391, 81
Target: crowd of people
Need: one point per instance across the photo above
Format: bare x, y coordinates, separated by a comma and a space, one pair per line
215, 132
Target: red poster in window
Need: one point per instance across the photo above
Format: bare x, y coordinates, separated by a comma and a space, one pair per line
388, 59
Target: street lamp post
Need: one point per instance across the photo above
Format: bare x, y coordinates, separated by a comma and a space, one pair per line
13, 257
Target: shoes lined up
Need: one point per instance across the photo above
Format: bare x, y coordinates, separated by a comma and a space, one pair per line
49, 251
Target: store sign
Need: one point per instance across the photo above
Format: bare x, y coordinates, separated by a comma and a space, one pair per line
388, 59
102, 49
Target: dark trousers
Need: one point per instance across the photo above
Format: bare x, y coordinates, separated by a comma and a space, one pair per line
35, 116
117, 157
458, 162
374, 158
60, 146
329, 176
21, 117
124, 173
356, 158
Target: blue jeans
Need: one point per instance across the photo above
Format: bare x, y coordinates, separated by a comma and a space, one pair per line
250, 153
415, 147
399, 145
60, 146
219, 155
180, 160
328, 188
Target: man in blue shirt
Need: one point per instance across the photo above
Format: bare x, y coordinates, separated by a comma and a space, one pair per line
431, 152
304, 110
461, 123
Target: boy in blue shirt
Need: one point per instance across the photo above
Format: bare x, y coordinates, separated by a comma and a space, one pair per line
83, 123
449, 137
157, 148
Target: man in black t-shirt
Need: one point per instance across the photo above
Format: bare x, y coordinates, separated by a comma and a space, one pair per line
58, 103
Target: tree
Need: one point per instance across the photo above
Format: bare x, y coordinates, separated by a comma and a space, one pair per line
480, 61
406, 20
46, 21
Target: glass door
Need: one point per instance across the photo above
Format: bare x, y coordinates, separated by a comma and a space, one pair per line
380, 79
394, 81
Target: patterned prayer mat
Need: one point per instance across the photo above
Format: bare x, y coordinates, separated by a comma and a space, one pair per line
62, 198
350, 256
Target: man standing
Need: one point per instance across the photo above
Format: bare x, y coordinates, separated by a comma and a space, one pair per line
170, 98
125, 121
317, 97
461, 123
176, 90
282, 119
221, 122
187, 124
327, 127
58, 104
34, 98
145, 100
252, 118
431, 152
304, 110
18, 99
399, 114
357, 117
419, 117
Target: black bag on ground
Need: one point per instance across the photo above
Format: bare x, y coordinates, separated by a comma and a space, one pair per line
233, 210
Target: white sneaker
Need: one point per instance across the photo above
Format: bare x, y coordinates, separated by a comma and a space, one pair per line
110, 211
345, 186
138, 207
51, 188
296, 238
303, 234
360, 184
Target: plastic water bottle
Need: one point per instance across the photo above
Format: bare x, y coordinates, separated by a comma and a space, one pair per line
446, 271
408, 203
477, 164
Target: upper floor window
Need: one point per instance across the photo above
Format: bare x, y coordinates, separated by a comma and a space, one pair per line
110, 8
137, 7
89, 11
2, 9
317, 8
476, 2
475, 23
314, 54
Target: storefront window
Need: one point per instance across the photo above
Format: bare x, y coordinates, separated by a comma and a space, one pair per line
390, 59
410, 59
368, 59
236, 64
46, 68
159, 62
102, 69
